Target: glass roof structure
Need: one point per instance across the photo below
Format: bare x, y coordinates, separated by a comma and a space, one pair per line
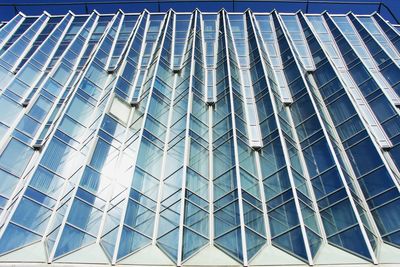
200, 139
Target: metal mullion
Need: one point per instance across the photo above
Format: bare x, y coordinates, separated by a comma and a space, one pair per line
210, 127
380, 21
358, 190
139, 64
73, 190
388, 89
329, 142
14, 29
72, 197
128, 44
361, 104
30, 42
58, 42
16, 202
382, 32
347, 189
58, 63
125, 49
160, 38
227, 62
12, 127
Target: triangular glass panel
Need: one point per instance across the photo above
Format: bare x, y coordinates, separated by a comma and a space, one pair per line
231, 243
346, 239
292, 242
131, 241
192, 242
16, 237
108, 242
254, 243
72, 239
169, 243
314, 241
51, 239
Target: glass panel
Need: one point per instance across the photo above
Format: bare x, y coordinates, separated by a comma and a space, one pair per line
15, 157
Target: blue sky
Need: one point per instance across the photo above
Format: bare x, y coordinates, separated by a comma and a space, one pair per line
8, 12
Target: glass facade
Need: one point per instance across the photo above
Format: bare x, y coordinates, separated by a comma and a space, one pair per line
149, 138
